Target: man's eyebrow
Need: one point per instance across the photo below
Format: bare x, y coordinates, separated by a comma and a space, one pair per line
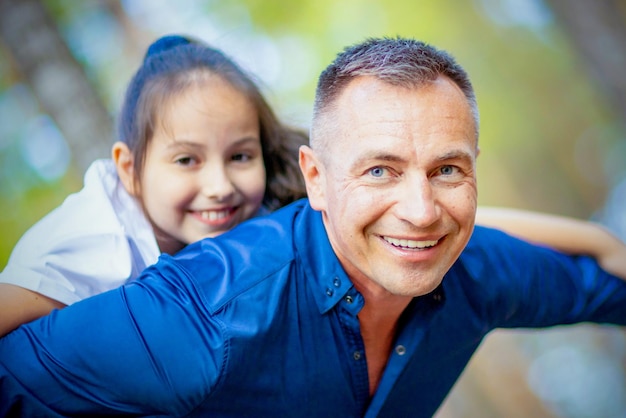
379, 156
456, 155
383, 156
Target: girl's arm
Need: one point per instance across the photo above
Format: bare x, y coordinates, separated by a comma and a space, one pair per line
19, 306
569, 235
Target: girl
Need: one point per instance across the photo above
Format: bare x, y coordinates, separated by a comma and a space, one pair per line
200, 151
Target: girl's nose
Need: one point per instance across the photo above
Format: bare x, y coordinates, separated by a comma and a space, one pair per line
216, 183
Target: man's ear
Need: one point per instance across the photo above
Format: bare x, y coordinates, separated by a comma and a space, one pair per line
312, 171
124, 164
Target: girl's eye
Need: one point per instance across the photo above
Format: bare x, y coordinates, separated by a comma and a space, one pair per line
241, 157
184, 161
377, 171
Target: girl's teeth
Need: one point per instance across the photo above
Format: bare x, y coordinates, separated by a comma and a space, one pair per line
212, 215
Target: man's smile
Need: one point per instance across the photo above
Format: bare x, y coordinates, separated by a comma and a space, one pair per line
410, 244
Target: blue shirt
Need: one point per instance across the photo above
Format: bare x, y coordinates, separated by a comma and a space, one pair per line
262, 321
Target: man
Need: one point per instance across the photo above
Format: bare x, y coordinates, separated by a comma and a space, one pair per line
367, 300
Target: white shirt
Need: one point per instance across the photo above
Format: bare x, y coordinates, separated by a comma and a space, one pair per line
97, 240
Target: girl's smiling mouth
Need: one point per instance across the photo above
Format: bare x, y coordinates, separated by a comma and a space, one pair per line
215, 217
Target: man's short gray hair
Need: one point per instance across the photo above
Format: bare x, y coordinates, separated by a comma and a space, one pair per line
397, 61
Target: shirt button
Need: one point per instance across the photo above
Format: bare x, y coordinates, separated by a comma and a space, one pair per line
336, 282
329, 291
357, 355
349, 299
400, 350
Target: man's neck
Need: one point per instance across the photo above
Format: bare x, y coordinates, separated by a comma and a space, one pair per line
379, 320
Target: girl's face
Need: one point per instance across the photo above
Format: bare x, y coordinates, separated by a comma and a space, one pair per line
204, 171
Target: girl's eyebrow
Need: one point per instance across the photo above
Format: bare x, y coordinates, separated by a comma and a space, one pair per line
176, 143
182, 143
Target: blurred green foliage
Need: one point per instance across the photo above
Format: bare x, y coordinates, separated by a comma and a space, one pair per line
538, 107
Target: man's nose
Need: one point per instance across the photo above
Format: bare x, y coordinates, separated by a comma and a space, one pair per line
417, 204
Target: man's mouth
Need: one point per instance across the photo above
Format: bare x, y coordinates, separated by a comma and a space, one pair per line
410, 244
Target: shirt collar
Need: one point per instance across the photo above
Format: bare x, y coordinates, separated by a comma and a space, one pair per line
321, 266
329, 281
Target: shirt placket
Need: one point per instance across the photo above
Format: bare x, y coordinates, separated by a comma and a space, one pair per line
349, 308
410, 335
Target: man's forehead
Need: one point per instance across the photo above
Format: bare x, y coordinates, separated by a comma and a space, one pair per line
365, 97
378, 107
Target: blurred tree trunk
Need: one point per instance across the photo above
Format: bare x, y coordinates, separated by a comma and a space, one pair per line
57, 80
597, 30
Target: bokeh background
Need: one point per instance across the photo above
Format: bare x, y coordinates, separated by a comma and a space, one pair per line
549, 76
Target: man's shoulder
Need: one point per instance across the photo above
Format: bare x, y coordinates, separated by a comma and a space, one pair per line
492, 254
486, 240
490, 250
260, 238
235, 262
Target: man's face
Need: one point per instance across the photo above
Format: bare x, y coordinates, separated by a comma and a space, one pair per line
397, 184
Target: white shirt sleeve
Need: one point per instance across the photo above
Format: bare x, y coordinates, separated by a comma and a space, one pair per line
83, 248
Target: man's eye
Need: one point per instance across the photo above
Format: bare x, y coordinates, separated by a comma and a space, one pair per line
377, 171
448, 170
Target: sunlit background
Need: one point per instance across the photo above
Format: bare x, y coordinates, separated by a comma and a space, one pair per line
549, 81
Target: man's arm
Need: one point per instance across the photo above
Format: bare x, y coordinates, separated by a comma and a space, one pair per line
19, 306
125, 351
569, 235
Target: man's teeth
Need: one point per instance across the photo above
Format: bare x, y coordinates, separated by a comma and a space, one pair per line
213, 215
409, 243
